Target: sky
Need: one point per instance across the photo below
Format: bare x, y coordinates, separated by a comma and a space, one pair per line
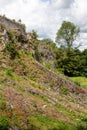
46, 16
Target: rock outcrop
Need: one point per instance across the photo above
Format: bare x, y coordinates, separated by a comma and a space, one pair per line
11, 24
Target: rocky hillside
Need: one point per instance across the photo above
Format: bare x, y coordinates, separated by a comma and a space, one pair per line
32, 96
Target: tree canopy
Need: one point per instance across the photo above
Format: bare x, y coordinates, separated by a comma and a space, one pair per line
68, 60
67, 34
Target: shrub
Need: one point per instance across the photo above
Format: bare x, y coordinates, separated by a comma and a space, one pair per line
64, 90
3, 123
2, 105
9, 72
81, 127
84, 119
12, 50
10, 35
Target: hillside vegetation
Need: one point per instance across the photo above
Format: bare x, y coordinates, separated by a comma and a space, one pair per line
33, 97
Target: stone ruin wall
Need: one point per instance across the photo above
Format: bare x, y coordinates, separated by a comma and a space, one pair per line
11, 24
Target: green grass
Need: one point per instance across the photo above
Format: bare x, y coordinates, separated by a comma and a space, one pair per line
31, 81
45, 123
82, 81
40, 122
71, 114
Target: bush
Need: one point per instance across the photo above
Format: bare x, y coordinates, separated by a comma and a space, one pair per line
2, 105
3, 123
10, 35
81, 127
12, 50
9, 72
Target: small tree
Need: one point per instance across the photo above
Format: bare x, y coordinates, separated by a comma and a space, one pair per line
83, 59
35, 35
19, 20
67, 59
67, 34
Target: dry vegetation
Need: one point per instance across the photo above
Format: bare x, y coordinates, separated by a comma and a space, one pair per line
32, 97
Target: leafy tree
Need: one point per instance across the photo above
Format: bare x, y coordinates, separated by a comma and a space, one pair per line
68, 57
67, 34
68, 62
35, 35
83, 59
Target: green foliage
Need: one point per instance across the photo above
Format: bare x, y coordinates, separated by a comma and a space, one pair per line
35, 35
48, 65
2, 105
3, 123
37, 54
64, 90
19, 20
21, 38
84, 119
12, 50
67, 34
81, 127
45, 123
9, 72
22, 24
81, 81
83, 69
68, 61
10, 34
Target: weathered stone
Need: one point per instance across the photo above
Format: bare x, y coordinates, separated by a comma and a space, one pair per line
11, 24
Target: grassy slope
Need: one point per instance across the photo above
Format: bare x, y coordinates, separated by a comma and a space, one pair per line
33, 98
82, 81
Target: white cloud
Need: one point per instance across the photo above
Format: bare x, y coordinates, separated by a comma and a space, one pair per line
5, 2
61, 3
46, 16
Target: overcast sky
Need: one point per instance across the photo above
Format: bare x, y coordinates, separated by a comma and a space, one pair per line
46, 16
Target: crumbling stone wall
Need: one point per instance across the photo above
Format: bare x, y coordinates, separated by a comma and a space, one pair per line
11, 24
